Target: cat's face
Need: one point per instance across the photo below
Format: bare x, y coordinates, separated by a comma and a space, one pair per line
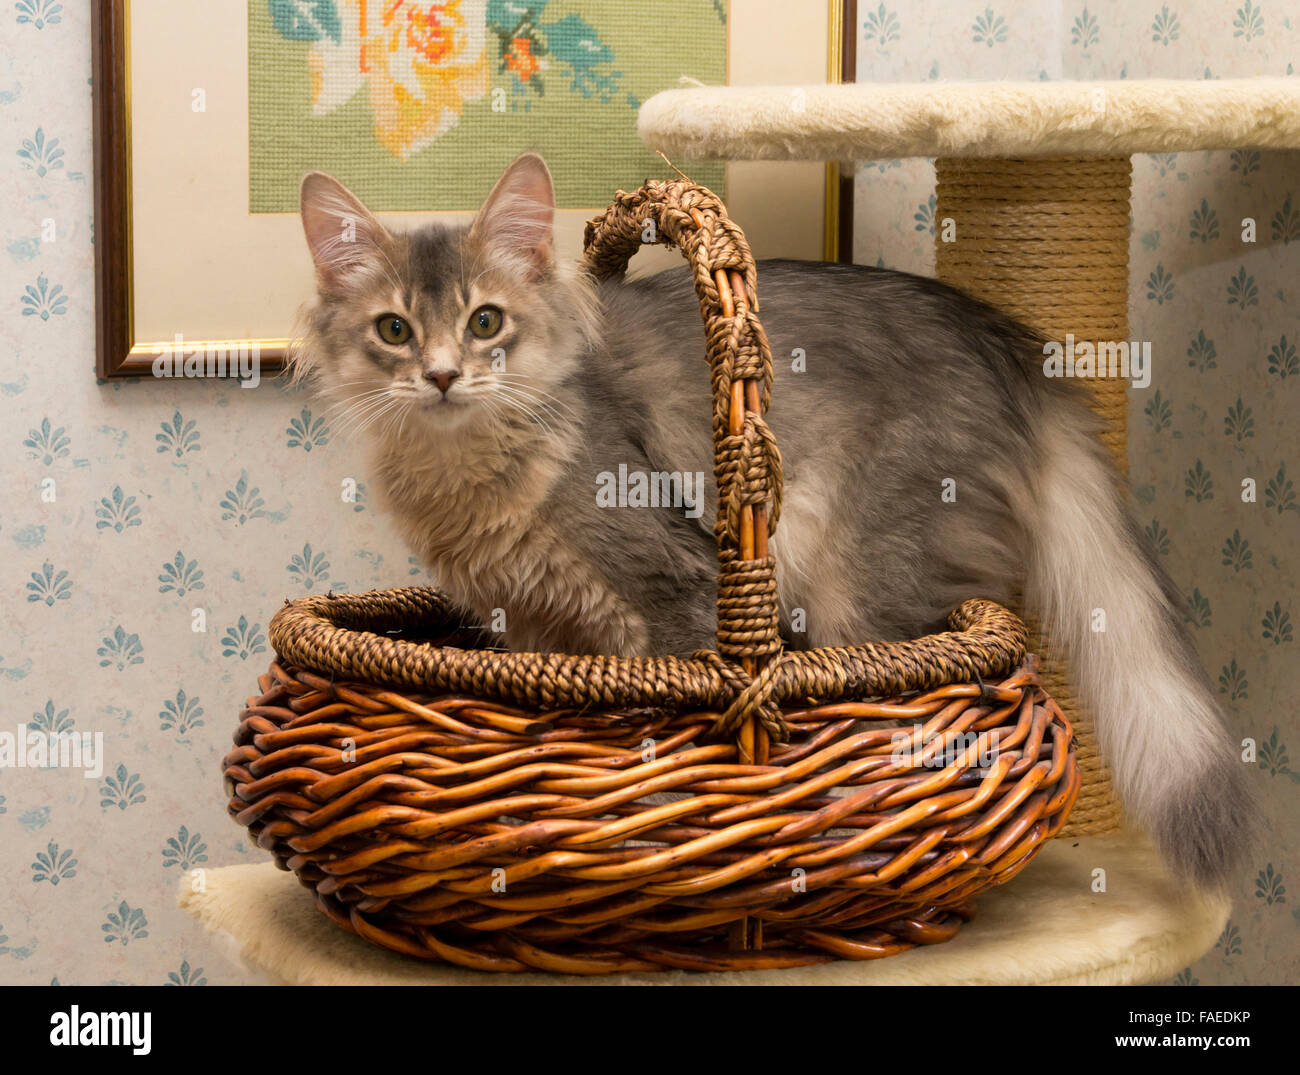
442, 326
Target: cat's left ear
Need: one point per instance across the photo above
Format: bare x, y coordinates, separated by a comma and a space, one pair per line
518, 217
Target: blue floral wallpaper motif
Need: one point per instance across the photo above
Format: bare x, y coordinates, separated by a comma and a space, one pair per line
1223, 316
148, 533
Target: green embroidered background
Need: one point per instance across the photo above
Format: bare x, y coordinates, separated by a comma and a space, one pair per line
419, 105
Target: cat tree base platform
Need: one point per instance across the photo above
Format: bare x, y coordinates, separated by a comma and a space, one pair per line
1048, 927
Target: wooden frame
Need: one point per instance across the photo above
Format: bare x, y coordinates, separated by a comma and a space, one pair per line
842, 66
112, 149
118, 352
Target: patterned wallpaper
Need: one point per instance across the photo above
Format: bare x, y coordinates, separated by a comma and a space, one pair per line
134, 514
1223, 316
150, 530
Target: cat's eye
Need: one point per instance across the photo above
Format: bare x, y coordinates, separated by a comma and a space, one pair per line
485, 322
393, 329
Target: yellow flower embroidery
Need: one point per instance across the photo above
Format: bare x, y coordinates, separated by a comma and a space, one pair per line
419, 61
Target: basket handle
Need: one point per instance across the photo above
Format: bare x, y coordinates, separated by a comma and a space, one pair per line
747, 462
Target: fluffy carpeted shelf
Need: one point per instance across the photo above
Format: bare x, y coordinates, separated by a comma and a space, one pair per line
1047, 927
875, 121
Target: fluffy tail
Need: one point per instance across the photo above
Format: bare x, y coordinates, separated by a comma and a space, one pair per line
1110, 606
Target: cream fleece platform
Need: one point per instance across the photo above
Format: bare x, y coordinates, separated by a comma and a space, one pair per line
875, 121
1045, 927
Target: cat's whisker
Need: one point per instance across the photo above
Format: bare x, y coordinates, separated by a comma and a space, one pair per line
382, 404
361, 417
540, 405
353, 400
354, 411
342, 399
365, 397
536, 406
518, 380
500, 393
559, 411
348, 384
493, 408
503, 409
400, 409
531, 415
336, 395
377, 416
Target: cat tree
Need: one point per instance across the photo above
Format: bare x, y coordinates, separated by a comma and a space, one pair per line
1031, 210
1032, 189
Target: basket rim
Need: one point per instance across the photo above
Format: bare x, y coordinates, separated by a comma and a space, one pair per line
342, 635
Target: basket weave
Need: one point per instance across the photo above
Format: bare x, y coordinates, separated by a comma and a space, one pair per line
490, 810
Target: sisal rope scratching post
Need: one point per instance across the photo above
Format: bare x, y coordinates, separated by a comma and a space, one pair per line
1046, 240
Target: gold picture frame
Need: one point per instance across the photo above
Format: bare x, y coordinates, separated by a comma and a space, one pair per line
133, 281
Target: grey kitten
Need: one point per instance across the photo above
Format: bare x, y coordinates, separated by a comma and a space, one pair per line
500, 390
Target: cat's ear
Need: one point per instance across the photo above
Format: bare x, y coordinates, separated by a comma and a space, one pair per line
341, 232
518, 217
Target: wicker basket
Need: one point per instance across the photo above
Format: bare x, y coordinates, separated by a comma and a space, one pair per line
490, 810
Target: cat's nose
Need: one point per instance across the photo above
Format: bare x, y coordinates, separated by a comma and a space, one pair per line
442, 378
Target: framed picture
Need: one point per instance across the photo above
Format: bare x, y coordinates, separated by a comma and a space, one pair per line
841, 66
415, 105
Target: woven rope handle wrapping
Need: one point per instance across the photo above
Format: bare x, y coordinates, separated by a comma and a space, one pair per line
747, 463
